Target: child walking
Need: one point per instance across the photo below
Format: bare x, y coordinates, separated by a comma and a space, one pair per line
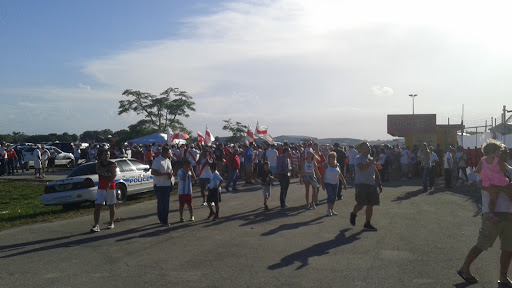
492, 172
187, 176
214, 192
266, 183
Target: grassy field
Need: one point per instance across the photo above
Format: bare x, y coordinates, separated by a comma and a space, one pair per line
20, 204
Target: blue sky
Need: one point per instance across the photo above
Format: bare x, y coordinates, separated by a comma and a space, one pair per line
319, 68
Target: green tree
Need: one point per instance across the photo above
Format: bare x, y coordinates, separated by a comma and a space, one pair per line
160, 111
95, 136
237, 129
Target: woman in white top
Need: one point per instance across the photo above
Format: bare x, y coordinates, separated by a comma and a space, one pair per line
461, 160
309, 175
330, 174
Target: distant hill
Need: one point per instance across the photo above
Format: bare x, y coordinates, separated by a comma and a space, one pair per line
343, 141
331, 141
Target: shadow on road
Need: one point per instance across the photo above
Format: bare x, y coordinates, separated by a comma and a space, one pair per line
292, 226
316, 250
93, 237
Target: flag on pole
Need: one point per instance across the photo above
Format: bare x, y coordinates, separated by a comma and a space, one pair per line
250, 134
200, 137
209, 137
261, 130
169, 135
179, 136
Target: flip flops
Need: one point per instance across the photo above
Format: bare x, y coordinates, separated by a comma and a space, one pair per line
470, 279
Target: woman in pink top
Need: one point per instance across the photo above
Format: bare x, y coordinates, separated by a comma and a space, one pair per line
492, 172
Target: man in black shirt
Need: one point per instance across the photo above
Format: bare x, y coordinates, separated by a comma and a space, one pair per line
341, 158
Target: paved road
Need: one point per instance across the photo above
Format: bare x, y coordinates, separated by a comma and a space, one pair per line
422, 240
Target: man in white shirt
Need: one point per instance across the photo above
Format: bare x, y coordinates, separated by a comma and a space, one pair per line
37, 161
351, 154
271, 157
162, 172
448, 167
405, 163
434, 160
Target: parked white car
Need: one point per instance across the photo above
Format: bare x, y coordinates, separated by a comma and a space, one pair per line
62, 158
82, 183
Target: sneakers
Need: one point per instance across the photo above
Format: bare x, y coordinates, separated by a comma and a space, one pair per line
369, 227
308, 207
110, 226
205, 204
353, 219
313, 206
191, 219
95, 228
182, 220
266, 207
331, 212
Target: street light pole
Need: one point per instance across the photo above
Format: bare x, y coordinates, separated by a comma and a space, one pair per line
413, 96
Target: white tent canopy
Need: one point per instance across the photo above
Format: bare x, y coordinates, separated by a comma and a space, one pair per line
158, 138
479, 139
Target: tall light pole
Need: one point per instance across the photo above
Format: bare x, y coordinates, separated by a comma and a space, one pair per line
413, 96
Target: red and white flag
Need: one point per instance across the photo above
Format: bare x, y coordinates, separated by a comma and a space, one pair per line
261, 130
169, 136
250, 135
209, 137
179, 136
200, 137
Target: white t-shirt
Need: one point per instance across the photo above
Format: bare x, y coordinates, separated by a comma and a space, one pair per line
162, 165
192, 156
433, 158
203, 172
448, 161
45, 154
382, 158
272, 157
406, 157
352, 154
461, 159
215, 180
37, 155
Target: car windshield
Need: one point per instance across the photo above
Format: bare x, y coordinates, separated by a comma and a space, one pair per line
57, 150
138, 165
84, 169
29, 150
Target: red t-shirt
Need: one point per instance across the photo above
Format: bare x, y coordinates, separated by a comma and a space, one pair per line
104, 177
11, 154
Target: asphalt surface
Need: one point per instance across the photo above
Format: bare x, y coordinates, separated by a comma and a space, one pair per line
422, 241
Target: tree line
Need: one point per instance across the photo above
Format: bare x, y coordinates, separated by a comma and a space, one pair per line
158, 111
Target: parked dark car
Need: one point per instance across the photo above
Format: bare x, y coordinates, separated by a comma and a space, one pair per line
64, 146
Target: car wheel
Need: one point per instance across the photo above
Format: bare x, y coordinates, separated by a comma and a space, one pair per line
71, 207
121, 193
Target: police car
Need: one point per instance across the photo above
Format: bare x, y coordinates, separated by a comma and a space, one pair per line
82, 183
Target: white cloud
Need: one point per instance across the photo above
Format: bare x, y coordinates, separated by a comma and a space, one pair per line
304, 67
379, 90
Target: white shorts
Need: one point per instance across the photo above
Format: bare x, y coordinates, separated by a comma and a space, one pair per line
103, 196
37, 164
